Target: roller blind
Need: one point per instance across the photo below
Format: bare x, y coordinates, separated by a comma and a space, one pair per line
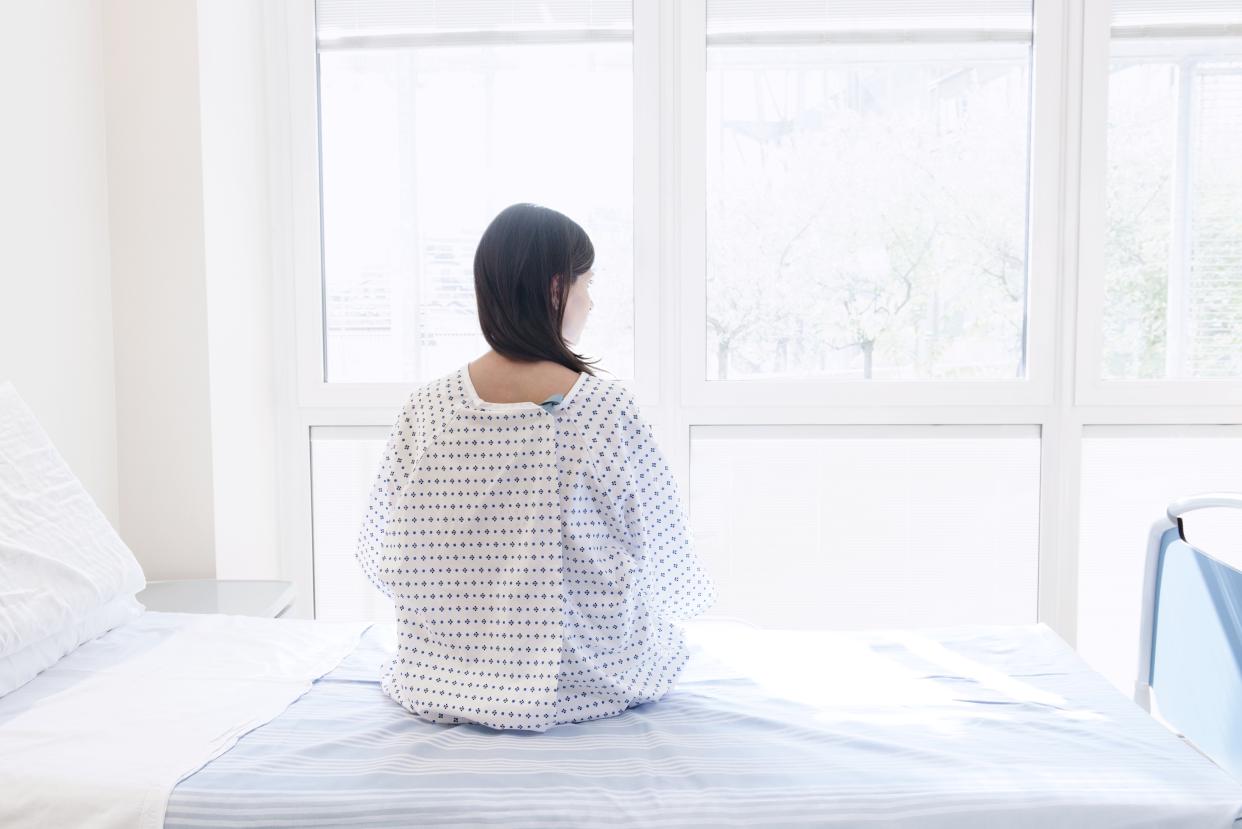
1163, 18
391, 22
861, 20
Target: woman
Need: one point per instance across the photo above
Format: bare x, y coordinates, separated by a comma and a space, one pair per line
523, 519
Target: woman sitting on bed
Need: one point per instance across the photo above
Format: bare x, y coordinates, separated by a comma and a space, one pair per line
523, 519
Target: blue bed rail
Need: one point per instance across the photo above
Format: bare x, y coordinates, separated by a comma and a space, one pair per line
1190, 655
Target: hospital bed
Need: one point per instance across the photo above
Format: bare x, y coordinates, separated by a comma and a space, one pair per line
981, 726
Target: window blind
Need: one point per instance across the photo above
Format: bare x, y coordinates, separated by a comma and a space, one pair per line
361, 23
749, 21
1165, 18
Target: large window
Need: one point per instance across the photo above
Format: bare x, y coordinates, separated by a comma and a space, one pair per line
932, 304
853, 527
433, 117
867, 189
1173, 301
1161, 256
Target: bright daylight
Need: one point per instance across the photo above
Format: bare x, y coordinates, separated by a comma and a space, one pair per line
621, 413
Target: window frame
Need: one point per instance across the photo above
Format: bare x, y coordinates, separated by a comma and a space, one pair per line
1045, 163
302, 96
1071, 51
1092, 389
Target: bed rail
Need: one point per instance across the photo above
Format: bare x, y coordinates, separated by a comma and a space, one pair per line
1190, 640
1208, 499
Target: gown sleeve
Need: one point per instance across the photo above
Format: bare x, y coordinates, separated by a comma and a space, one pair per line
401, 450
678, 586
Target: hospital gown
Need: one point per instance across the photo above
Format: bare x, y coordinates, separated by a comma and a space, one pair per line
538, 558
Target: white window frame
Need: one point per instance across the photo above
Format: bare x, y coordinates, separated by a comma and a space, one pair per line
1092, 388
1070, 61
296, 20
1044, 169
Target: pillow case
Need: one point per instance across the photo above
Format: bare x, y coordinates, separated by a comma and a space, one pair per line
20, 667
61, 562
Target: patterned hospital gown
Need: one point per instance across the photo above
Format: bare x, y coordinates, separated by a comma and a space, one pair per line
538, 558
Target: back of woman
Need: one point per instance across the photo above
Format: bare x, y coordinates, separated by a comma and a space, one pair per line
536, 553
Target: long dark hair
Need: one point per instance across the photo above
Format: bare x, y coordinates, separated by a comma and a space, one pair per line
516, 264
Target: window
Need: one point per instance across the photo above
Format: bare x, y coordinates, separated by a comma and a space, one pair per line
433, 117
867, 205
1129, 476
852, 527
1173, 258
343, 464
934, 305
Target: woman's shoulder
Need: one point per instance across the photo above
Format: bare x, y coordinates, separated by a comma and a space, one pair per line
444, 393
612, 426
610, 394
607, 406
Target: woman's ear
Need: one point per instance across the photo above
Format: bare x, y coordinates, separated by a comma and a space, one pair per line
556, 291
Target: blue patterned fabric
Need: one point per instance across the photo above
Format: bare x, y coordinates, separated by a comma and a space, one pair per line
537, 557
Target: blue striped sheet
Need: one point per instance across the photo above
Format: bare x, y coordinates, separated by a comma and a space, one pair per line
964, 727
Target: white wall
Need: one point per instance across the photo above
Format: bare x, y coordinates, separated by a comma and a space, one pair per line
239, 286
135, 268
191, 269
55, 304
159, 287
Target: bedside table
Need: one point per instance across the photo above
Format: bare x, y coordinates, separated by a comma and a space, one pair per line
236, 597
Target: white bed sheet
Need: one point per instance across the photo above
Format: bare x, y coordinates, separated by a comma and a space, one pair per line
101, 738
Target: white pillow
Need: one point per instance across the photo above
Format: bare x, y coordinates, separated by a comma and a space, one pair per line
61, 562
18, 668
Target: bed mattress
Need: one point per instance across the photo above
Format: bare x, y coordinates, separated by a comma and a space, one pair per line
957, 727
